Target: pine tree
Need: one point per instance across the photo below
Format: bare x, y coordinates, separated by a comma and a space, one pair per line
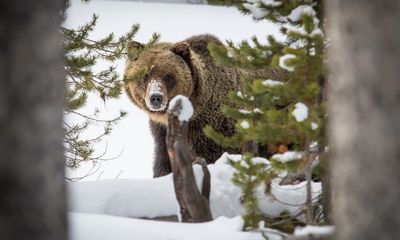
81, 55
280, 113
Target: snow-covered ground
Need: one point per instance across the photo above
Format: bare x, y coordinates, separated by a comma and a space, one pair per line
175, 22
101, 227
156, 197
134, 198
165, 1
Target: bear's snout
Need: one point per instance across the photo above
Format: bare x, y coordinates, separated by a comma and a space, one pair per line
156, 100
156, 95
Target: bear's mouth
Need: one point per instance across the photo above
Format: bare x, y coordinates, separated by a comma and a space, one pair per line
159, 116
160, 110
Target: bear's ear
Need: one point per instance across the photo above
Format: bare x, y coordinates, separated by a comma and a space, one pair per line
182, 49
135, 46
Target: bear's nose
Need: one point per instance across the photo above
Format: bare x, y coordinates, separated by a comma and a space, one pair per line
156, 100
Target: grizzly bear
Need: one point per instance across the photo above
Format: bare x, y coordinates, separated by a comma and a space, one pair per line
186, 68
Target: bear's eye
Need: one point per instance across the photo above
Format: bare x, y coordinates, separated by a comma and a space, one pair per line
167, 78
169, 81
146, 78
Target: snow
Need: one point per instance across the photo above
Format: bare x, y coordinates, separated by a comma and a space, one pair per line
155, 89
295, 16
257, 110
102, 227
287, 156
282, 62
187, 109
257, 12
313, 146
314, 230
167, 1
244, 111
290, 198
312, 51
245, 124
296, 13
130, 140
156, 197
124, 197
314, 126
271, 3
300, 112
302, 30
125, 200
230, 54
272, 83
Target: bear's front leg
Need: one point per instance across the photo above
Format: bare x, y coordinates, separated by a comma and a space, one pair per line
162, 165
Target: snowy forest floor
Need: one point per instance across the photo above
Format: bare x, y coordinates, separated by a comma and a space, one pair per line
104, 209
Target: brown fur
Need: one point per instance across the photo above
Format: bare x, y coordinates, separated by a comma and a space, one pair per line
196, 76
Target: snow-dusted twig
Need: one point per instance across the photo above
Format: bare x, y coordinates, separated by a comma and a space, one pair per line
308, 237
194, 206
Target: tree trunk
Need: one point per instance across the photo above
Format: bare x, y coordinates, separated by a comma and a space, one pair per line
365, 117
194, 206
32, 193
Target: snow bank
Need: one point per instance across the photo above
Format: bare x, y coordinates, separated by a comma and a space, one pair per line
156, 197
124, 197
314, 230
287, 156
291, 198
102, 227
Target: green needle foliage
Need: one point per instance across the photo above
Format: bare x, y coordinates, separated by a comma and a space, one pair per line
249, 175
268, 107
81, 56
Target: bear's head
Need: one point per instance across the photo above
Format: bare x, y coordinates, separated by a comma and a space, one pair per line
156, 75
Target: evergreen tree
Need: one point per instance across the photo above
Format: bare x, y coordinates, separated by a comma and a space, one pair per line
280, 113
81, 55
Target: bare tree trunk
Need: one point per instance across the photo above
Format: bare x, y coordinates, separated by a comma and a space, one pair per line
32, 194
365, 117
194, 206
